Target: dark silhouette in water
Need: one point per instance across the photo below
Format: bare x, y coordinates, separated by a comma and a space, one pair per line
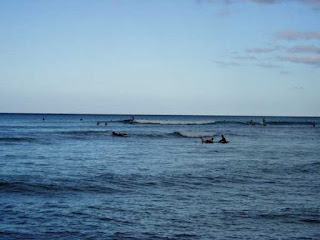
98, 123
264, 122
43, 119
206, 140
223, 139
80, 119
119, 134
131, 120
314, 124
105, 123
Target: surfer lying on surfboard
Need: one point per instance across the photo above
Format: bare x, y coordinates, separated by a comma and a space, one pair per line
119, 134
206, 140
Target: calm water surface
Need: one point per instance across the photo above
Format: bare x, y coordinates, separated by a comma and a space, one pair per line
63, 178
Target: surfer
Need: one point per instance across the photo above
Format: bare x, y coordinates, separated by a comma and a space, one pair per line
223, 139
119, 134
98, 123
130, 121
264, 122
206, 140
105, 123
314, 124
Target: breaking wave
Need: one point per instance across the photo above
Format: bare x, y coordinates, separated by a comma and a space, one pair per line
194, 134
212, 122
160, 122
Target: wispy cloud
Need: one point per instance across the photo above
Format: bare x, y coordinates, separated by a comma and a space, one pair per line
295, 35
310, 60
313, 3
260, 50
245, 57
266, 1
268, 65
226, 63
284, 72
304, 49
297, 88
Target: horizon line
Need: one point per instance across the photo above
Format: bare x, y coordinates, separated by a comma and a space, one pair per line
140, 114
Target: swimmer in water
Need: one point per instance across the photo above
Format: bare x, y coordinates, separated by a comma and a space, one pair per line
206, 140
98, 123
119, 134
223, 139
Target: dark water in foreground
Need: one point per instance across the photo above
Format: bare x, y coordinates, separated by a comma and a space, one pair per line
63, 178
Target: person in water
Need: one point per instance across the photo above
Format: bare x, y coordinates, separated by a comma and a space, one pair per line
98, 123
223, 139
119, 134
206, 140
131, 120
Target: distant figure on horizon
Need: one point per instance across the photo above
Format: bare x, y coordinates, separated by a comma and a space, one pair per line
119, 134
264, 122
98, 123
223, 139
206, 140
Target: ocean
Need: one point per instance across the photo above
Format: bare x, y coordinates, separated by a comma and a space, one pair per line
66, 178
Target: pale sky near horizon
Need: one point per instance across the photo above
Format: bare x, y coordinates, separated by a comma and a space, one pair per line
214, 57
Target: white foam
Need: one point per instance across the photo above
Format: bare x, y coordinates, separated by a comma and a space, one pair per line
174, 122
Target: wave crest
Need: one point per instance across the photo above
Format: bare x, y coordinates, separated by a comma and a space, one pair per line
194, 134
165, 122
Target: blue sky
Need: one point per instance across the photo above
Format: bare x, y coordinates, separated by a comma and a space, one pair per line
236, 57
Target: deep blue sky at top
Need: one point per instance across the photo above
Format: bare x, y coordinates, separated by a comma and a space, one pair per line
160, 57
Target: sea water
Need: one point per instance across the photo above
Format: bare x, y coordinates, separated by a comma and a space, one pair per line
66, 178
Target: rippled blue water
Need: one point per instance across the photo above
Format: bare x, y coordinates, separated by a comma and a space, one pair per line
63, 178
